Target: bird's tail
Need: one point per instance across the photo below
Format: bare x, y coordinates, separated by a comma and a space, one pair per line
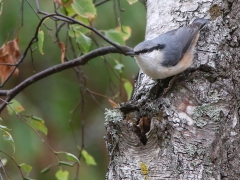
200, 22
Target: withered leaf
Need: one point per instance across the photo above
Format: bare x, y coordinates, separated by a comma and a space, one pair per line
63, 51
9, 54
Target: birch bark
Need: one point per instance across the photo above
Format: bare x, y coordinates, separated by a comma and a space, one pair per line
192, 132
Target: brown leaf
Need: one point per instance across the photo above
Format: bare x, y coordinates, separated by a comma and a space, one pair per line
9, 54
63, 51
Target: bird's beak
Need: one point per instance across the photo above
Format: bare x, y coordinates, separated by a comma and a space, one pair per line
130, 53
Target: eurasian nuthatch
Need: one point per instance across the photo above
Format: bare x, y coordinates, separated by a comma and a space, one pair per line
170, 53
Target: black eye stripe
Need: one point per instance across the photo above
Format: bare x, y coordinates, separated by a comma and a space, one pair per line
157, 47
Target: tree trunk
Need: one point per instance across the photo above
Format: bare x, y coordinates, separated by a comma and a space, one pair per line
192, 131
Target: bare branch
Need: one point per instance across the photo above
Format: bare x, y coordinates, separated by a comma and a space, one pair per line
58, 68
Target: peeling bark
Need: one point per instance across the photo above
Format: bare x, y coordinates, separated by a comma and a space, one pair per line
194, 127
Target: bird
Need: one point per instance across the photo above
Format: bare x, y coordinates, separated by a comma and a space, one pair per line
170, 53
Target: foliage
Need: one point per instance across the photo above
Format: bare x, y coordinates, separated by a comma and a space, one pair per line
62, 175
88, 158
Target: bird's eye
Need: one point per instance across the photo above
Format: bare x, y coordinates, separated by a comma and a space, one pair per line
160, 46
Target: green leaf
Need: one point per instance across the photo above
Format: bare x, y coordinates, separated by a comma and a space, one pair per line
84, 42
37, 118
4, 128
45, 170
65, 163
132, 1
38, 124
62, 175
115, 36
72, 158
68, 11
26, 168
69, 157
84, 8
8, 137
66, 3
125, 32
74, 31
88, 158
128, 88
40, 41
14, 106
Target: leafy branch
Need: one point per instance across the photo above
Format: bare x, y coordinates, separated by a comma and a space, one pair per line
115, 48
69, 22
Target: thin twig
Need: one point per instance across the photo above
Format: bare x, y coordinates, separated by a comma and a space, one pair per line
25, 121
100, 2
38, 16
22, 5
98, 94
12, 158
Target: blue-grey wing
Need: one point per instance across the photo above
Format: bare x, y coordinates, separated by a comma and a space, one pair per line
187, 34
181, 40
177, 43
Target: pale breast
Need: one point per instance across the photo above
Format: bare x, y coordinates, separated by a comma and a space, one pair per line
150, 64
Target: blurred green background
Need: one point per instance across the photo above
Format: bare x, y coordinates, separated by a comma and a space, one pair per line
54, 97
